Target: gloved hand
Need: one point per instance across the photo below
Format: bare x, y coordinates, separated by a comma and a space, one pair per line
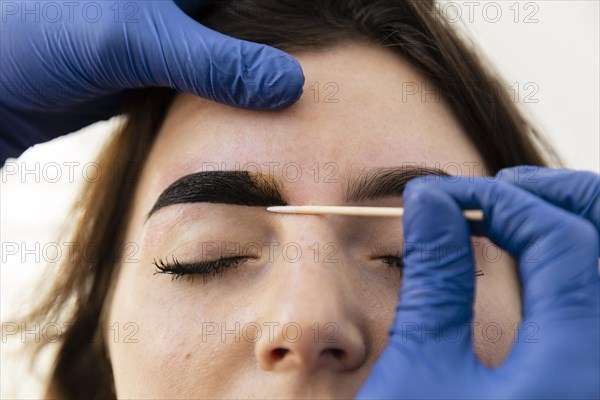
558, 211
64, 65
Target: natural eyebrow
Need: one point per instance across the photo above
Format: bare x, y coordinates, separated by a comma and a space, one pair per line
224, 187
378, 183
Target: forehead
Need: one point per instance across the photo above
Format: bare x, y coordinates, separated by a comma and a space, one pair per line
362, 107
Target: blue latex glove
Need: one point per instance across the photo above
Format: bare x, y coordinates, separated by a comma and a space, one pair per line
558, 212
64, 65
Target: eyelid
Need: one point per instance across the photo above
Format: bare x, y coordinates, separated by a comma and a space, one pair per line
205, 268
391, 245
377, 256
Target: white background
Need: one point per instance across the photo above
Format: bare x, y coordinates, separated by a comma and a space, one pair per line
558, 56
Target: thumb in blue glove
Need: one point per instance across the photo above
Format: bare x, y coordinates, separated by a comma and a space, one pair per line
561, 293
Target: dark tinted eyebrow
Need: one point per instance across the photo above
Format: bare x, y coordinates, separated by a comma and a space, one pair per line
223, 187
379, 183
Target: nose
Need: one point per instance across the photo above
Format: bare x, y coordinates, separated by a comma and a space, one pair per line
312, 323
318, 346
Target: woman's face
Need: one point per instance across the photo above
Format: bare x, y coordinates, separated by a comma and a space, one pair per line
308, 312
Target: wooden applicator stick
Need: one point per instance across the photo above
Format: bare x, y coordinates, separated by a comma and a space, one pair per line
472, 215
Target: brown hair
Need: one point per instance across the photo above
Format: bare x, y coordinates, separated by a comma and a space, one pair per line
412, 29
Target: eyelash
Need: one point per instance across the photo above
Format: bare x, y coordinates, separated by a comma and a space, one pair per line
179, 270
218, 267
398, 261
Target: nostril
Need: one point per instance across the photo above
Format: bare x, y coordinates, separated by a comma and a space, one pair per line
279, 353
336, 353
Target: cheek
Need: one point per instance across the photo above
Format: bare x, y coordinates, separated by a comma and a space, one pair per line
497, 303
162, 344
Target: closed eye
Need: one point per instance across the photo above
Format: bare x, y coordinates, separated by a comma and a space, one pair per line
216, 267
393, 261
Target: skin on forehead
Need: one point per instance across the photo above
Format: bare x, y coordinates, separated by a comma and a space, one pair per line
311, 148
375, 122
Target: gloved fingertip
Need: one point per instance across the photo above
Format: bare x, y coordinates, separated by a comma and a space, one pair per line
420, 186
272, 81
425, 203
420, 183
519, 174
416, 195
